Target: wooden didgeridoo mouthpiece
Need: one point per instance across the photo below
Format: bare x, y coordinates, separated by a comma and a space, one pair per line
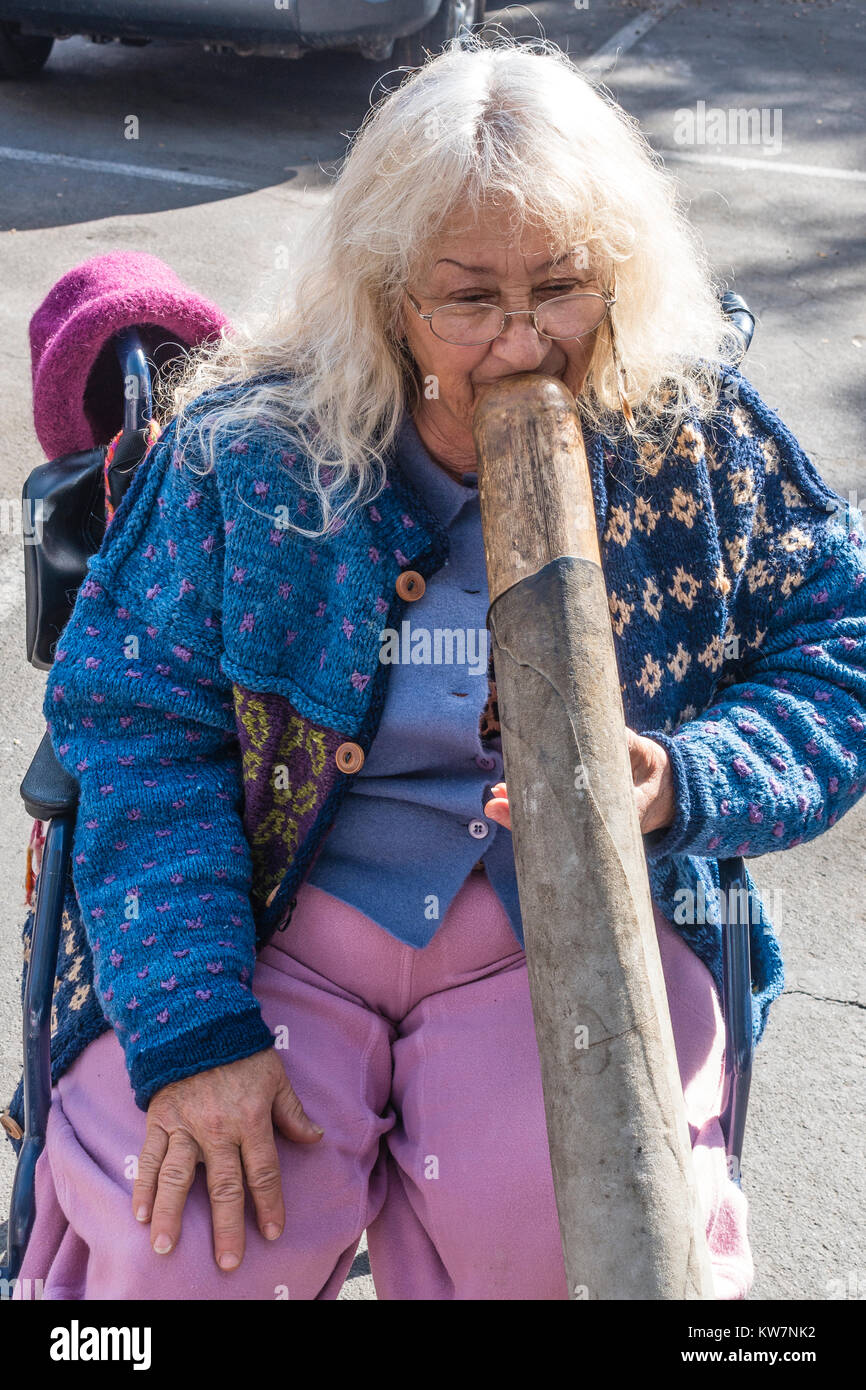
533, 477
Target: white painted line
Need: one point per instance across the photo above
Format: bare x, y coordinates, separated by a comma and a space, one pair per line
605, 57
767, 164
133, 171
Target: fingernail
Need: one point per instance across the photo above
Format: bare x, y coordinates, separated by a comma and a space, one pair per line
142, 1213
162, 1245
228, 1260
318, 1129
271, 1231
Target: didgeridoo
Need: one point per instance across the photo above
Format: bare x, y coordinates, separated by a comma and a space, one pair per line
619, 1142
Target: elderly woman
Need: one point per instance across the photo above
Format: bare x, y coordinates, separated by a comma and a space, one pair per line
292, 856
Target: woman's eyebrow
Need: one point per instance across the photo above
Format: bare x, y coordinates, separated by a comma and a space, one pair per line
488, 270
475, 269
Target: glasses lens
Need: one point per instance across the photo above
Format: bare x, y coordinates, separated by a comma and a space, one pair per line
466, 323
570, 315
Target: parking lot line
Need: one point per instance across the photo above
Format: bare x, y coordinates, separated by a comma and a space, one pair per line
605, 57
136, 171
767, 165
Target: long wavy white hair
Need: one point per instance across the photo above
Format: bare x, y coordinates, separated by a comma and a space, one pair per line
512, 123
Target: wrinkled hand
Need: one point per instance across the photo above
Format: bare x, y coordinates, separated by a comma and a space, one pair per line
652, 779
224, 1118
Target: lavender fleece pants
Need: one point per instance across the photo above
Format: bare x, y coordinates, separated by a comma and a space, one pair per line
422, 1067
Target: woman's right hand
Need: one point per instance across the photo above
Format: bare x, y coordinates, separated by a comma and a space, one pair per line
224, 1118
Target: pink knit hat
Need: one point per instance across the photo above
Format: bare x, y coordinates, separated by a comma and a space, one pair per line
77, 386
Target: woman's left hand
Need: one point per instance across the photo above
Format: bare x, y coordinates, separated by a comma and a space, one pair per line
652, 778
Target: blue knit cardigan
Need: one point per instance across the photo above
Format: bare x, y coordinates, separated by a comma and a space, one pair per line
216, 659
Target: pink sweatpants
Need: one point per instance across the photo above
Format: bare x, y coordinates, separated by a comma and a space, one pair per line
422, 1067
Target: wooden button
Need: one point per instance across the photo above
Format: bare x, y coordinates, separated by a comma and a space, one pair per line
11, 1126
350, 757
410, 585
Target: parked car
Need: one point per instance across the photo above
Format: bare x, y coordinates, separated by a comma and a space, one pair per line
378, 29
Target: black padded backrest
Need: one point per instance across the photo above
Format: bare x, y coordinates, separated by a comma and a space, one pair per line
63, 505
64, 521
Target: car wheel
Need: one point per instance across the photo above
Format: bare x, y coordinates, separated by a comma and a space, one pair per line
22, 55
451, 17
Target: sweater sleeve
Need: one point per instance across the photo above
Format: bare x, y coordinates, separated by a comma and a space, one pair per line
141, 714
781, 753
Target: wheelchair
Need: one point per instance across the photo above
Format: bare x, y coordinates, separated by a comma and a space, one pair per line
76, 494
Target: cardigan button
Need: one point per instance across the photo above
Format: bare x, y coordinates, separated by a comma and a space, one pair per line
349, 757
410, 585
273, 893
12, 1128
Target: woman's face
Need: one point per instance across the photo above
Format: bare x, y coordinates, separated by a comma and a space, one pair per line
484, 264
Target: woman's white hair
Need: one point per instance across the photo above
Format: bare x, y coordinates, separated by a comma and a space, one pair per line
512, 124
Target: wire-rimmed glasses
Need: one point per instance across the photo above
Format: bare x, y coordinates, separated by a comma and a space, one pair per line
468, 324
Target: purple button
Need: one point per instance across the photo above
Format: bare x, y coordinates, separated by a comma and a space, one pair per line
485, 761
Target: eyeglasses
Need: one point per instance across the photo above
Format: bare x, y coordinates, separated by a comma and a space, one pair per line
468, 325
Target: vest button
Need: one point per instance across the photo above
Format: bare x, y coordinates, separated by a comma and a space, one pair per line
349, 757
410, 585
12, 1128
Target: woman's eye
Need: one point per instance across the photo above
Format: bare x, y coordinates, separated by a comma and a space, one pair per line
489, 296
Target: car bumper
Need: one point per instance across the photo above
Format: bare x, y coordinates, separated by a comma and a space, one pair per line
253, 23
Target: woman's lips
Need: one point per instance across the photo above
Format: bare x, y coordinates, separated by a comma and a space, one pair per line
539, 371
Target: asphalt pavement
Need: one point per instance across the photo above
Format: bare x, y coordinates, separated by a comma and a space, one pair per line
233, 154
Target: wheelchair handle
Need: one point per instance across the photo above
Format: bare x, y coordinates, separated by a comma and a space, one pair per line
137, 392
735, 309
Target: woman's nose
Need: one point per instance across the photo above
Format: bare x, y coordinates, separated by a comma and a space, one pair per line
521, 344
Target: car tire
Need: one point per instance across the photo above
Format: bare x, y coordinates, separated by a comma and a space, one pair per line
452, 16
22, 55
